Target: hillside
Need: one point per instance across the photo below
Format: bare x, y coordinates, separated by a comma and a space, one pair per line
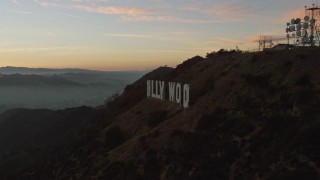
251, 116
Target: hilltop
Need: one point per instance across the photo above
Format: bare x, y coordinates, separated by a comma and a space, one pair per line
251, 116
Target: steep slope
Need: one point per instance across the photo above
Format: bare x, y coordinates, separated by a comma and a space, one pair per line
251, 116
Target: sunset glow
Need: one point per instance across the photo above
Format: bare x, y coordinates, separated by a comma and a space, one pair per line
135, 34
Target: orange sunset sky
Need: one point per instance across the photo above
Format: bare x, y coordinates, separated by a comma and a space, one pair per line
134, 34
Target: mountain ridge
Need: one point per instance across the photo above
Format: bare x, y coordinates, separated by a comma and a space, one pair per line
34, 80
56, 89
28, 70
251, 116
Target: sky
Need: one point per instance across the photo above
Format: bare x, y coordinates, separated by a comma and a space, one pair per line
134, 34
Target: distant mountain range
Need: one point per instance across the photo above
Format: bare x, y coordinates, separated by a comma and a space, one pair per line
46, 71
35, 80
78, 75
22, 87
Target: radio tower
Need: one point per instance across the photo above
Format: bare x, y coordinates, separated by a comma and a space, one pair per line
314, 13
265, 42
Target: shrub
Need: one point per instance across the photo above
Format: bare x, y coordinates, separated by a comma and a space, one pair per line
222, 52
254, 58
303, 80
210, 55
301, 56
207, 87
157, 117
114, 137
189, 63
110, 100
261, 81
288, 64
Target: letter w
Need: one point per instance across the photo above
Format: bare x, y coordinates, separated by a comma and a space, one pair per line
172, 88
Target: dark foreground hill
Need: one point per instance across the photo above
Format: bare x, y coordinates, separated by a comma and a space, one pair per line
251, 116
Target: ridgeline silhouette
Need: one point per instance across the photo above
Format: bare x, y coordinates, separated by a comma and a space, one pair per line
251, 116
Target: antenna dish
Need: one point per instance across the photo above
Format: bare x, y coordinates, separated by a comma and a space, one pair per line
305, 25
299, 26
303, 33
292, 28
312, 25
312, 21
305, 39
311, 38
293, 21
306, 18
298, 20
299, 33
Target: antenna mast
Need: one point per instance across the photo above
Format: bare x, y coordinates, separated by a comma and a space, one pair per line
265, 42
314, 13
306, 30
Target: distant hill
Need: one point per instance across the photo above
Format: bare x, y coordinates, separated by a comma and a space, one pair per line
251, 116
34, 80
39, 71
59, 88
44, 71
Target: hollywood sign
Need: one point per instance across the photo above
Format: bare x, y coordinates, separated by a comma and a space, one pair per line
178, 93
